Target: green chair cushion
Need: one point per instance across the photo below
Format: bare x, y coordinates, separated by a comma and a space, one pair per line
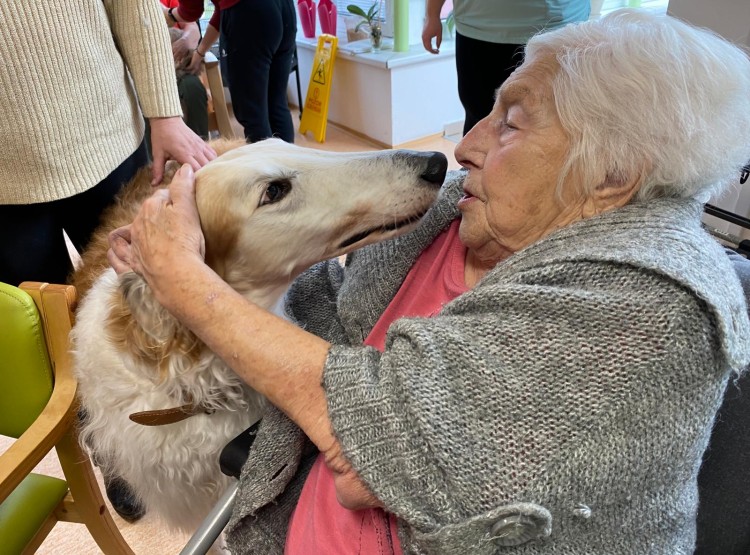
25, 372
25, 510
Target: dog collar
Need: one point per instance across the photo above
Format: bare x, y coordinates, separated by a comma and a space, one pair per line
168, 416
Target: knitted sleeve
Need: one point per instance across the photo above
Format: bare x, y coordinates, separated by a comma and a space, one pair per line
311, 301
518, 386
141, 34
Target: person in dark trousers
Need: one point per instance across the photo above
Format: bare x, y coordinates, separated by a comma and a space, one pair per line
259, 38
490, 37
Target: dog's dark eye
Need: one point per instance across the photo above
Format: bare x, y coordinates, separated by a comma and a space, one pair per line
275, 191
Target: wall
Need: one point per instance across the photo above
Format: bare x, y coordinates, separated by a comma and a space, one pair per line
730, 19
389, 97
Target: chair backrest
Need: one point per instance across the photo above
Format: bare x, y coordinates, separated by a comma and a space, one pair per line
26, 376
32, 504
723, 485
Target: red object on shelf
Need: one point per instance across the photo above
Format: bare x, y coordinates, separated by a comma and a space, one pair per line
306, 9
327, 16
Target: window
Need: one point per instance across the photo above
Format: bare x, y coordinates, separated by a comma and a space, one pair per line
364, 4
384, 9
607, 6
208, 8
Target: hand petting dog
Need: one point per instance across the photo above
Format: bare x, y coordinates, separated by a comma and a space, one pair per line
167, 229
172, 139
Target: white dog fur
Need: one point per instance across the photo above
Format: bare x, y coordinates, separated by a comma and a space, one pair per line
268, 211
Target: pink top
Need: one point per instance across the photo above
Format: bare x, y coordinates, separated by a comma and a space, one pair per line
319, 523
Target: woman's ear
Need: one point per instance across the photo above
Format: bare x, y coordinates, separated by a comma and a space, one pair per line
615, 190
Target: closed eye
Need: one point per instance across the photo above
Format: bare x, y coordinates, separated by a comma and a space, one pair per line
275, 191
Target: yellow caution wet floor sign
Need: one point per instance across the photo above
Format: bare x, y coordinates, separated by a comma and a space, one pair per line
315, 114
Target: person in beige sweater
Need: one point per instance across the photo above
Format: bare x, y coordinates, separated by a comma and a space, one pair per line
76, 82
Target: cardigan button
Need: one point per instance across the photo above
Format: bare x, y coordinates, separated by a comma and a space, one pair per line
515, 528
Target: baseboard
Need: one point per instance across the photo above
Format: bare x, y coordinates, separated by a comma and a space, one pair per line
453, 128
360, 135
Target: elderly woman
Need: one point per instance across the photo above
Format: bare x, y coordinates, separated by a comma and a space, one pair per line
543, 357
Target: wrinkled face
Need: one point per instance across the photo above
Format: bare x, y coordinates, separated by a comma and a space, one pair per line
514, 157
270, 210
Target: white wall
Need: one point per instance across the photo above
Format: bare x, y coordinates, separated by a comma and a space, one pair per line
392, 98
730, 19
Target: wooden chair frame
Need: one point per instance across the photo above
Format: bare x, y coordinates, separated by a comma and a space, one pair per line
56, 427
219, 118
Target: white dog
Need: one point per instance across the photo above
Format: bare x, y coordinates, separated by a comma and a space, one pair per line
268, 211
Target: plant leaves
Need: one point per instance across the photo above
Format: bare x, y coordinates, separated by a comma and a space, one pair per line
356, 10
450, 23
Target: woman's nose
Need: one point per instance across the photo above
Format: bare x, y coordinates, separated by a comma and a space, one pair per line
469, 151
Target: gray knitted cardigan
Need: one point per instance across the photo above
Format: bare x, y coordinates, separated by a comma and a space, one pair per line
560, 406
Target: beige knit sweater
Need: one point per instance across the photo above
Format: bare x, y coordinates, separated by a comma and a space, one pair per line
69, 112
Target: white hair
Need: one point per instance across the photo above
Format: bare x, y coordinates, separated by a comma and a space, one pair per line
651, 97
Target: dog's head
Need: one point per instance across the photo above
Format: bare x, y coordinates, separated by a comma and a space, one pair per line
269, 210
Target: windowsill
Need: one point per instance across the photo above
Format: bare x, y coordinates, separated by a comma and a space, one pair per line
388, 84
655, 6
386, 58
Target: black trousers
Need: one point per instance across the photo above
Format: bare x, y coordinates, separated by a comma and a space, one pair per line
194, 100
259, 38
482, 67
32, 247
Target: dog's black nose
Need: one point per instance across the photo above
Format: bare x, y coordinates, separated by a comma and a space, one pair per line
437, 165
431, 166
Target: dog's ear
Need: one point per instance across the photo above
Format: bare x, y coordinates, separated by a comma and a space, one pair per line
150, 316
145, 329
225, 145
169, 170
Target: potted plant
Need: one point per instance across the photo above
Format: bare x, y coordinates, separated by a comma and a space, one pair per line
371, 20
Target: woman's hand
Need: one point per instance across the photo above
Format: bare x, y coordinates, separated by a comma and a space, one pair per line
171, 138
194, 66
351, 491
180, 48
164, 236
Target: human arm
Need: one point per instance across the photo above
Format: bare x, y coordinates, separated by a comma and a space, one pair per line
209, 38
144, 43
518, 395
172, 139
433, 26
187, 11
191, 36
475, 414
191, 10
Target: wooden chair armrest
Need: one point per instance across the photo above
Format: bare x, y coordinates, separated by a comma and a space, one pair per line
25, 453
55, 304
210, 60
216, 86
